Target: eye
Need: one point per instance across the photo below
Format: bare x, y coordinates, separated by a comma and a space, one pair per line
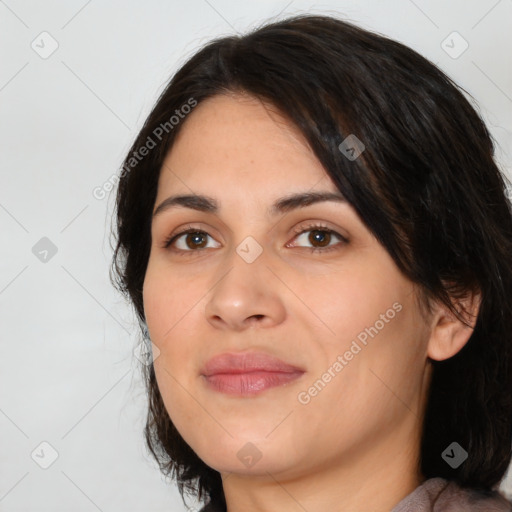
321, 235
193, 239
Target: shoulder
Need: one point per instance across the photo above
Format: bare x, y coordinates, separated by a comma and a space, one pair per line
440, 495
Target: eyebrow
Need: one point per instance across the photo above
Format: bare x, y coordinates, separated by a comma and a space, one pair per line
284, 204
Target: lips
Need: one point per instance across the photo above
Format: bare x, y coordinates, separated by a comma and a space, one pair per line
247, 373
246, 363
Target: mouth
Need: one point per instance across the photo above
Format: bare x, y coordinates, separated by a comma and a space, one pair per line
247, 374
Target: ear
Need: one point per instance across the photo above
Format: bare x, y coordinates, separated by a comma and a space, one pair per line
449, 334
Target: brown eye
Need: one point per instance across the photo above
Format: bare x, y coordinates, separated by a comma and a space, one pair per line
195, 240
188, 241
320, 238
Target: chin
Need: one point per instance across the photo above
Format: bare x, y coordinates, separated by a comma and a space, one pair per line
245, 455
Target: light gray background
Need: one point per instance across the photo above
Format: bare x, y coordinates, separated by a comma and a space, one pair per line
68, 375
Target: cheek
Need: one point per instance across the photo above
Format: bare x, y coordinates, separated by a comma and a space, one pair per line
351, 301
166, 302
174, 310
374, 325
378, 382
168, 312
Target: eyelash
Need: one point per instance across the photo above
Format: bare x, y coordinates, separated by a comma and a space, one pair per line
299, 231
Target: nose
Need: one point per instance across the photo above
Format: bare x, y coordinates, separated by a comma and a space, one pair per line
247, 295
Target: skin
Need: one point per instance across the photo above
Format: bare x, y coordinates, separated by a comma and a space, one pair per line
355, 445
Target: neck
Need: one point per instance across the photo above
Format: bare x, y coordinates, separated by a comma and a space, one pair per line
377, 479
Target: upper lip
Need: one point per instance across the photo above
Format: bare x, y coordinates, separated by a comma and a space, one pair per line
246, 363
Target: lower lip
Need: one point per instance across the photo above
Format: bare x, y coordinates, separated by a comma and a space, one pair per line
246, 384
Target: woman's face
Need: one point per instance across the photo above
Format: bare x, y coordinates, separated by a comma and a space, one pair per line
343, 318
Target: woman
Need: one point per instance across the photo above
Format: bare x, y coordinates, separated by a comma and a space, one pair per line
316, 240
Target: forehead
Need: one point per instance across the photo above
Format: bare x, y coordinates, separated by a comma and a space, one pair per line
237, 142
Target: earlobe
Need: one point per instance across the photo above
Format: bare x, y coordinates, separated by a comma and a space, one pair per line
450, 334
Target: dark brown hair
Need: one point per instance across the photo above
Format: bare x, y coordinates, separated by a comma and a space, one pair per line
426, 186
